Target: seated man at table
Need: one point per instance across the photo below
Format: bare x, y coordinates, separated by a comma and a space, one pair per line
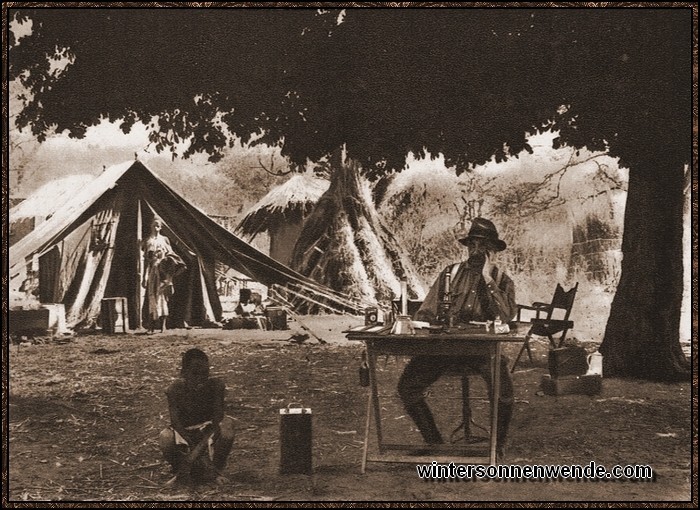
478, 291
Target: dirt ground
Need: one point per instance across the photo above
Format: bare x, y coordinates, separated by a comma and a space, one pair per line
85, 413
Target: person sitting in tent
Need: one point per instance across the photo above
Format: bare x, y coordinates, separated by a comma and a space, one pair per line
161, 265
245, 307
259, 311
200, 436
251, 309
257, 302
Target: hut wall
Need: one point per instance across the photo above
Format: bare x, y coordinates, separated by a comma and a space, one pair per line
283, 237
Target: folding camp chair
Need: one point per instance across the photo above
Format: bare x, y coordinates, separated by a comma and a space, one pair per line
555, 321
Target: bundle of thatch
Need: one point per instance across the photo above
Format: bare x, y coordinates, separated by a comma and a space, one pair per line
346, 246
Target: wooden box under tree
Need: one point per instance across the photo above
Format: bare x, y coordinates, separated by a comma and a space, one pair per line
567, 361
572, 385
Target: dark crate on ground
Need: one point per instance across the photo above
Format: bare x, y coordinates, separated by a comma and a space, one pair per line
29, 322
277, 317
114, 315
295, 441
572, 385
244, 295
568, 361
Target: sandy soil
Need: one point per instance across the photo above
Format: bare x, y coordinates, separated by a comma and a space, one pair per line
85, 412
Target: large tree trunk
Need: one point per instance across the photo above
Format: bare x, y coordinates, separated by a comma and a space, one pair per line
642, 335
345, 246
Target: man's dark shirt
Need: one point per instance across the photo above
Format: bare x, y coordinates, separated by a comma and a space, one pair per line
472, 299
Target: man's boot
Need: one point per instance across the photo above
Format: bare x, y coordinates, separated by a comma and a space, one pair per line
505, 412
423, 418
175, 457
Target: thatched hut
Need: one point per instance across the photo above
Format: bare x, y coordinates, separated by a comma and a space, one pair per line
282, 213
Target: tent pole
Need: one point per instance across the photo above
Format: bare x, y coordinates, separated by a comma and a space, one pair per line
139, 264
296, 317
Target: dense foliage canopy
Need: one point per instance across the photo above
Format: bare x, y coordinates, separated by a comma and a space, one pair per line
465, 82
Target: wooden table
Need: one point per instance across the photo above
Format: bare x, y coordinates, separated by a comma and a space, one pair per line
456, 342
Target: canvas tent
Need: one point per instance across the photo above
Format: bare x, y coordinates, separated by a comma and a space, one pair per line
90, 249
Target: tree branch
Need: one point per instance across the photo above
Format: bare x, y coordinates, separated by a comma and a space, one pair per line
271, 170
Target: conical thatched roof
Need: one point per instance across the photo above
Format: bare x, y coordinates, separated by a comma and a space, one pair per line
287, 202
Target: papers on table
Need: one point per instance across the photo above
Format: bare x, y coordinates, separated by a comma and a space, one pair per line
379, 327
367, 329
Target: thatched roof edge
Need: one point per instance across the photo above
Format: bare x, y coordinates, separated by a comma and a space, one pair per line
288, 202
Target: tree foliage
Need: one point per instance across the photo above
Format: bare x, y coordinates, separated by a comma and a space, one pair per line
468, 83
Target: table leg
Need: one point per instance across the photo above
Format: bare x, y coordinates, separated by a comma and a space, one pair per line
496, 385
372, 362
368, 420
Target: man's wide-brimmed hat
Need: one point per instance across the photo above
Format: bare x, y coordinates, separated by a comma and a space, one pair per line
484, 229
